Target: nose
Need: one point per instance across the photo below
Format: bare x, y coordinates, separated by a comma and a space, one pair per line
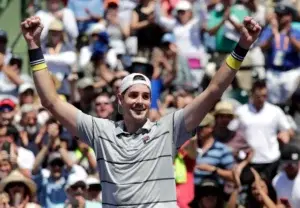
139, 99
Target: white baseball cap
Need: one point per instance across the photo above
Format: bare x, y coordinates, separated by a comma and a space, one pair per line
183, 5
133, 79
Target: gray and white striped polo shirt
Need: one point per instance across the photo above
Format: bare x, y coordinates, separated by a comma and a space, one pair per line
136, 169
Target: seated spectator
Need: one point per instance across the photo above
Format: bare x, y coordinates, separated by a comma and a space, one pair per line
59, 55
86, 52
214, 159
103, 106
208, 194
21, 190
116, 31
93, 189
281, 43
55, 10
76, 189
287, 181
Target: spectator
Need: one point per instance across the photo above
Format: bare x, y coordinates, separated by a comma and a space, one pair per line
224, 132
27, 94
103, 106
208, 194
76, 188
143, 25
259, 122
21, 190
4, 50
51, 181
280, 41
55, 10
214, 159
93, 189
59, 55
117, 32
286, 182
6, 164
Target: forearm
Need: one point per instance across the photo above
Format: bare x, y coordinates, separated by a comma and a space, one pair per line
139, 25
214, 30
65, 158
232, 202
266, 199
39, 159
12, 76
92, 160
225, 174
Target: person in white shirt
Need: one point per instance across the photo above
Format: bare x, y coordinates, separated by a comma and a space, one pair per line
287, 181
55, 11
264, 126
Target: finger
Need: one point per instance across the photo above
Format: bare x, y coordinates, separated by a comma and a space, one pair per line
247, 20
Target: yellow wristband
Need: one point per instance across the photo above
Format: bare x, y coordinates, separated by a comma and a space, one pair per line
39, 67
233, 63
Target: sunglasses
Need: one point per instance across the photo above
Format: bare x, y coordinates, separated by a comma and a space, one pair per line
102, 103
95, 187
78, 186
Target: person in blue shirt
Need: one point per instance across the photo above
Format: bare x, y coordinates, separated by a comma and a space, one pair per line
281, 45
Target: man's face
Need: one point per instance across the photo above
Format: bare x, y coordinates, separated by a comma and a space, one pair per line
56, 168
53, 5
27, 97
184, 16
223, 120
259, 97
284, 19
136, 102
103, 107
5, 168
77, 191
291, 169
87, 93
6, 116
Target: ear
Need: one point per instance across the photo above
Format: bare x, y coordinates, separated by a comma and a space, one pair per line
120, 98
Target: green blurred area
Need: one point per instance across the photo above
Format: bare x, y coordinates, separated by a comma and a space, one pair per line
12, 12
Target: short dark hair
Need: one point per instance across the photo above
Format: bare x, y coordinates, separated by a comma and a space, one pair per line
259, 84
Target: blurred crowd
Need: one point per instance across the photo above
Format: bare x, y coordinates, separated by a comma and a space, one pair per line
245, 153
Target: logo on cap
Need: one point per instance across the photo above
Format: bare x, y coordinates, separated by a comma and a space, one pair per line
295, 156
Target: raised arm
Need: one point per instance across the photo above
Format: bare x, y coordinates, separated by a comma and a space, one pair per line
64, 112
203, 103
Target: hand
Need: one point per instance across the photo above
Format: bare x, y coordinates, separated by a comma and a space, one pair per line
257, 179
206, 167
226, 14
151, 18
250, 154
24, 138
59, 15
284, 137
249, 32
32, 29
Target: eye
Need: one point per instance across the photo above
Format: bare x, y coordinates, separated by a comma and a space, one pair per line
146, 96
133, 95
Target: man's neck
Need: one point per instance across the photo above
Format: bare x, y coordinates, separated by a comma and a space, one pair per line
131, 126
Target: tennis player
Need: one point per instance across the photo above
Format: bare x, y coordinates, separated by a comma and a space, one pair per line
135, 156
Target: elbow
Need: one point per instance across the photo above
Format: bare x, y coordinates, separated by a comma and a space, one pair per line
49, 104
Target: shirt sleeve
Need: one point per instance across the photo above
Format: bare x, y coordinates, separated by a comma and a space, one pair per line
283, 123
227, 160
89, 127
180, 133
265, 35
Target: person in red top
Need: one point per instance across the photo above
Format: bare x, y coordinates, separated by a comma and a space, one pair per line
185, 191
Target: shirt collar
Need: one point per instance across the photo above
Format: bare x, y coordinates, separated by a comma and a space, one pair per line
146, 128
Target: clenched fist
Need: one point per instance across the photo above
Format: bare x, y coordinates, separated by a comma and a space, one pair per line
32, 29
249, 32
